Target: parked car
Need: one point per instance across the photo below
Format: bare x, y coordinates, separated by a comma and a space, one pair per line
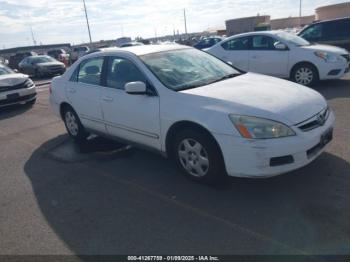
189, 105
122, 40
17, 58
284, 55
15, 88
3, 61
331, 32
60, 55
78, 52
207, 42
41, 65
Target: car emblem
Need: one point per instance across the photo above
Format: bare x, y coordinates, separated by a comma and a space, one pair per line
321, 119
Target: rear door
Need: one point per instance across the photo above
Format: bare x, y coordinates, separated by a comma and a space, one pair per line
236, 51
264, 58
84, 92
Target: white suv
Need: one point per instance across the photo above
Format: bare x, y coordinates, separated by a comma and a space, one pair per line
189, 105
284, 55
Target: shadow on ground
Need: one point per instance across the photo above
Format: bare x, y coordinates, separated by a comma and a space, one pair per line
13, 110
331, 89
126, 201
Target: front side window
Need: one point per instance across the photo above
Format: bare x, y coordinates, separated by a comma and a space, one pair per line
262, 42
236, 44
187, 68
40, 59
293, 39
90, 71
337, 30
121, 71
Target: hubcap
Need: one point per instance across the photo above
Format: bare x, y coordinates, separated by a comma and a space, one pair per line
71, 123
193, 157
304, 76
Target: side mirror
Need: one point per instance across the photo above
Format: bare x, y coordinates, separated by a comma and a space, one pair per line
280, 46
15, 70
136, 88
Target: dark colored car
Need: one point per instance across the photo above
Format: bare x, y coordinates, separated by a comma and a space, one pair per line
207, 42
15, 59
331, 32
41, 65
59, 54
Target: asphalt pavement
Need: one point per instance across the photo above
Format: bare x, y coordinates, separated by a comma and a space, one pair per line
109, 198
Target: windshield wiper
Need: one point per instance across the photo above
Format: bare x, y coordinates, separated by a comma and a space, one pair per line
224, 77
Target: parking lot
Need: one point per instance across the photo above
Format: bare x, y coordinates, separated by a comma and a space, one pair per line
108, 198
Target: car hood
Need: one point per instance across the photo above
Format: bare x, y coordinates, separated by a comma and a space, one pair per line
12, 79
50, 64
326, 48
262, 96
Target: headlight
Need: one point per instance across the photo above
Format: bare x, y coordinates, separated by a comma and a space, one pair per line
29, 82
327, 57
260, 128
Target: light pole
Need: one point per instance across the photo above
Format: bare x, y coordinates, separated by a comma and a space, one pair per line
300, 13
87, 21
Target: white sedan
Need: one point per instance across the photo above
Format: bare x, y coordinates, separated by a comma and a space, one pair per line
189, 105
284, 55
15, 88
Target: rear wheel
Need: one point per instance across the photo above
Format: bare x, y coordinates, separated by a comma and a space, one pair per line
73, 125
305, 74
198, 155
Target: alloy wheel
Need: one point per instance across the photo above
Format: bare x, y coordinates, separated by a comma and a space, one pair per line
71, 123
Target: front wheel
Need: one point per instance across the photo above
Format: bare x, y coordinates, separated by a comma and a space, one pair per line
198, 156
305, 74
73, 125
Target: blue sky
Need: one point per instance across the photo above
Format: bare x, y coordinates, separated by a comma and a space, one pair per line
59, 21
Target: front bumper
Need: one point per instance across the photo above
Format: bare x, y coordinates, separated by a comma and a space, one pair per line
333, 70
25, 95
252, 158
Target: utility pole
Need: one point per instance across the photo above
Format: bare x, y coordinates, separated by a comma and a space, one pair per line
31, 30
87, 21
185, 21
300, 13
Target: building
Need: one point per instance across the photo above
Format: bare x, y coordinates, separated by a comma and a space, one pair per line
333, 11
291, 22
247, 24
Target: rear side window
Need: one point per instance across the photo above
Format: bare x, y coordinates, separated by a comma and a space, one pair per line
337, 30
121, 71
90, 71
236, 44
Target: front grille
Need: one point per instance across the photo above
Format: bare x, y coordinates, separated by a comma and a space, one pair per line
16, 100
55, 68
25, 84
314, 122
347, 57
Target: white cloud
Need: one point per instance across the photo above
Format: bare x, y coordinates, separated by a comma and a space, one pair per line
64, 20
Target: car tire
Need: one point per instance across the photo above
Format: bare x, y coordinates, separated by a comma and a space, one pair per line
197, 154
305, 74
73, 125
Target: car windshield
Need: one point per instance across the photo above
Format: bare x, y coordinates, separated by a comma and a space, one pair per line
41, 59
294, 39
187, 68
4, 70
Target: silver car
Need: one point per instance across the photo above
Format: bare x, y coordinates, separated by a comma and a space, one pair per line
15, 88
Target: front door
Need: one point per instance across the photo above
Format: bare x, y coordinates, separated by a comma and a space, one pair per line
131, 117
265, 59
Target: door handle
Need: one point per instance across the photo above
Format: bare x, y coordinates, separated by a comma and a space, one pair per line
107, 98
72, 90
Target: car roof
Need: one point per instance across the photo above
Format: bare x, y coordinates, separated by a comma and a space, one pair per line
271, 32
329, 20
143, 49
